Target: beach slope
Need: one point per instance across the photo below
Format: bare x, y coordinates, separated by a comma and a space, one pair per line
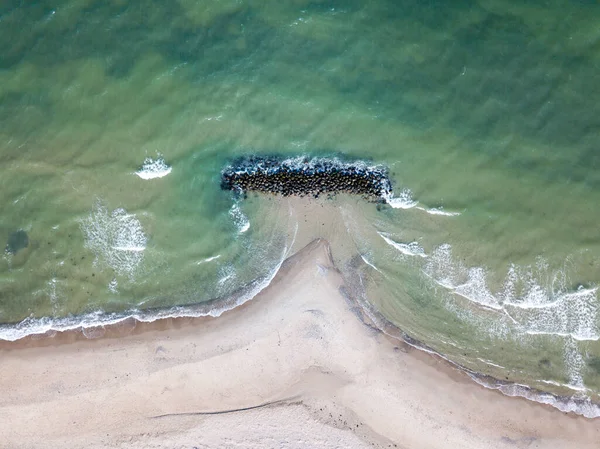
298, 366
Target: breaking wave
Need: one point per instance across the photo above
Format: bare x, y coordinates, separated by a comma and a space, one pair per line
405, 200
533, 308
239, 218
408, 249
116, 238
154, 168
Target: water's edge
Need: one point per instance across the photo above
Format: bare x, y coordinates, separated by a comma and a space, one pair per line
90, 324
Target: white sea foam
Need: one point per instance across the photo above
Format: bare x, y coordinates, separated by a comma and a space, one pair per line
53, 293
113, 286
365, 260
537, 302
558, 384
154, 168
439, 211
239, 218
135, 249
116, 238
573, 314
488, 362
475, 289
409, 249
574, 363
443, 269
580, 406
226, 273
534, 309
208, 259
403, 201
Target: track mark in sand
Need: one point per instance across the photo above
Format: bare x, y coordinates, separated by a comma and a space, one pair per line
290, 401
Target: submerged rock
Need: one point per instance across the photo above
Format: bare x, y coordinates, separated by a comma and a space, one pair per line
16, 241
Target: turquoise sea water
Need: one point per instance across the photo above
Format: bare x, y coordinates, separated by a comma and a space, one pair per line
486, 112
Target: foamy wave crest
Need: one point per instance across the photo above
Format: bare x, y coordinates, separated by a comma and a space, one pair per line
537, 302
439, 211
239, 218
153, 168
369, 263
208, 259
535, 309
573, 314
581, 406
403, 201
575, 364
113, 286
116, 238
409, 249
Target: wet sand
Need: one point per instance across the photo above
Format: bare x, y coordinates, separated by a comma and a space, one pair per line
298, 366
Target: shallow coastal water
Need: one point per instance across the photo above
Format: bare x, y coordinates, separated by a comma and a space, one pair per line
118, 117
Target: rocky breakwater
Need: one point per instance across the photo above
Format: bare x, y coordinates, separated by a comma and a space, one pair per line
304, 176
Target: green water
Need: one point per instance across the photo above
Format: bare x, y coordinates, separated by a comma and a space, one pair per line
487, 108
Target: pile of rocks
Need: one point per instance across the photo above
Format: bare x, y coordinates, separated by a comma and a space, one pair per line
305, 176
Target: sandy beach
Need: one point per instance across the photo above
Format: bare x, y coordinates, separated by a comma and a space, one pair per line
296, 367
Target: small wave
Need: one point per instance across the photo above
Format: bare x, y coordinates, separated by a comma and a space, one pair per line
154, 168
475, 289
533, 309
239, 218
116, 238
409, 249
580, 406
135, 249
208, 259
113, 286
439, 211
574, 363
226, 273
365, 260
403, 201
573, 335
562, 385
215, 308
487, 362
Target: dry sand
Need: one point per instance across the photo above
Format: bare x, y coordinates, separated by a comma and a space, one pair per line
294, 368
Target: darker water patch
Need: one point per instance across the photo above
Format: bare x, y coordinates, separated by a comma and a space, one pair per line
17, 241
594, 364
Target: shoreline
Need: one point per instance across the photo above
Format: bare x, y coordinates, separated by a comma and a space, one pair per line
151, 320
48, 328
297, 348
